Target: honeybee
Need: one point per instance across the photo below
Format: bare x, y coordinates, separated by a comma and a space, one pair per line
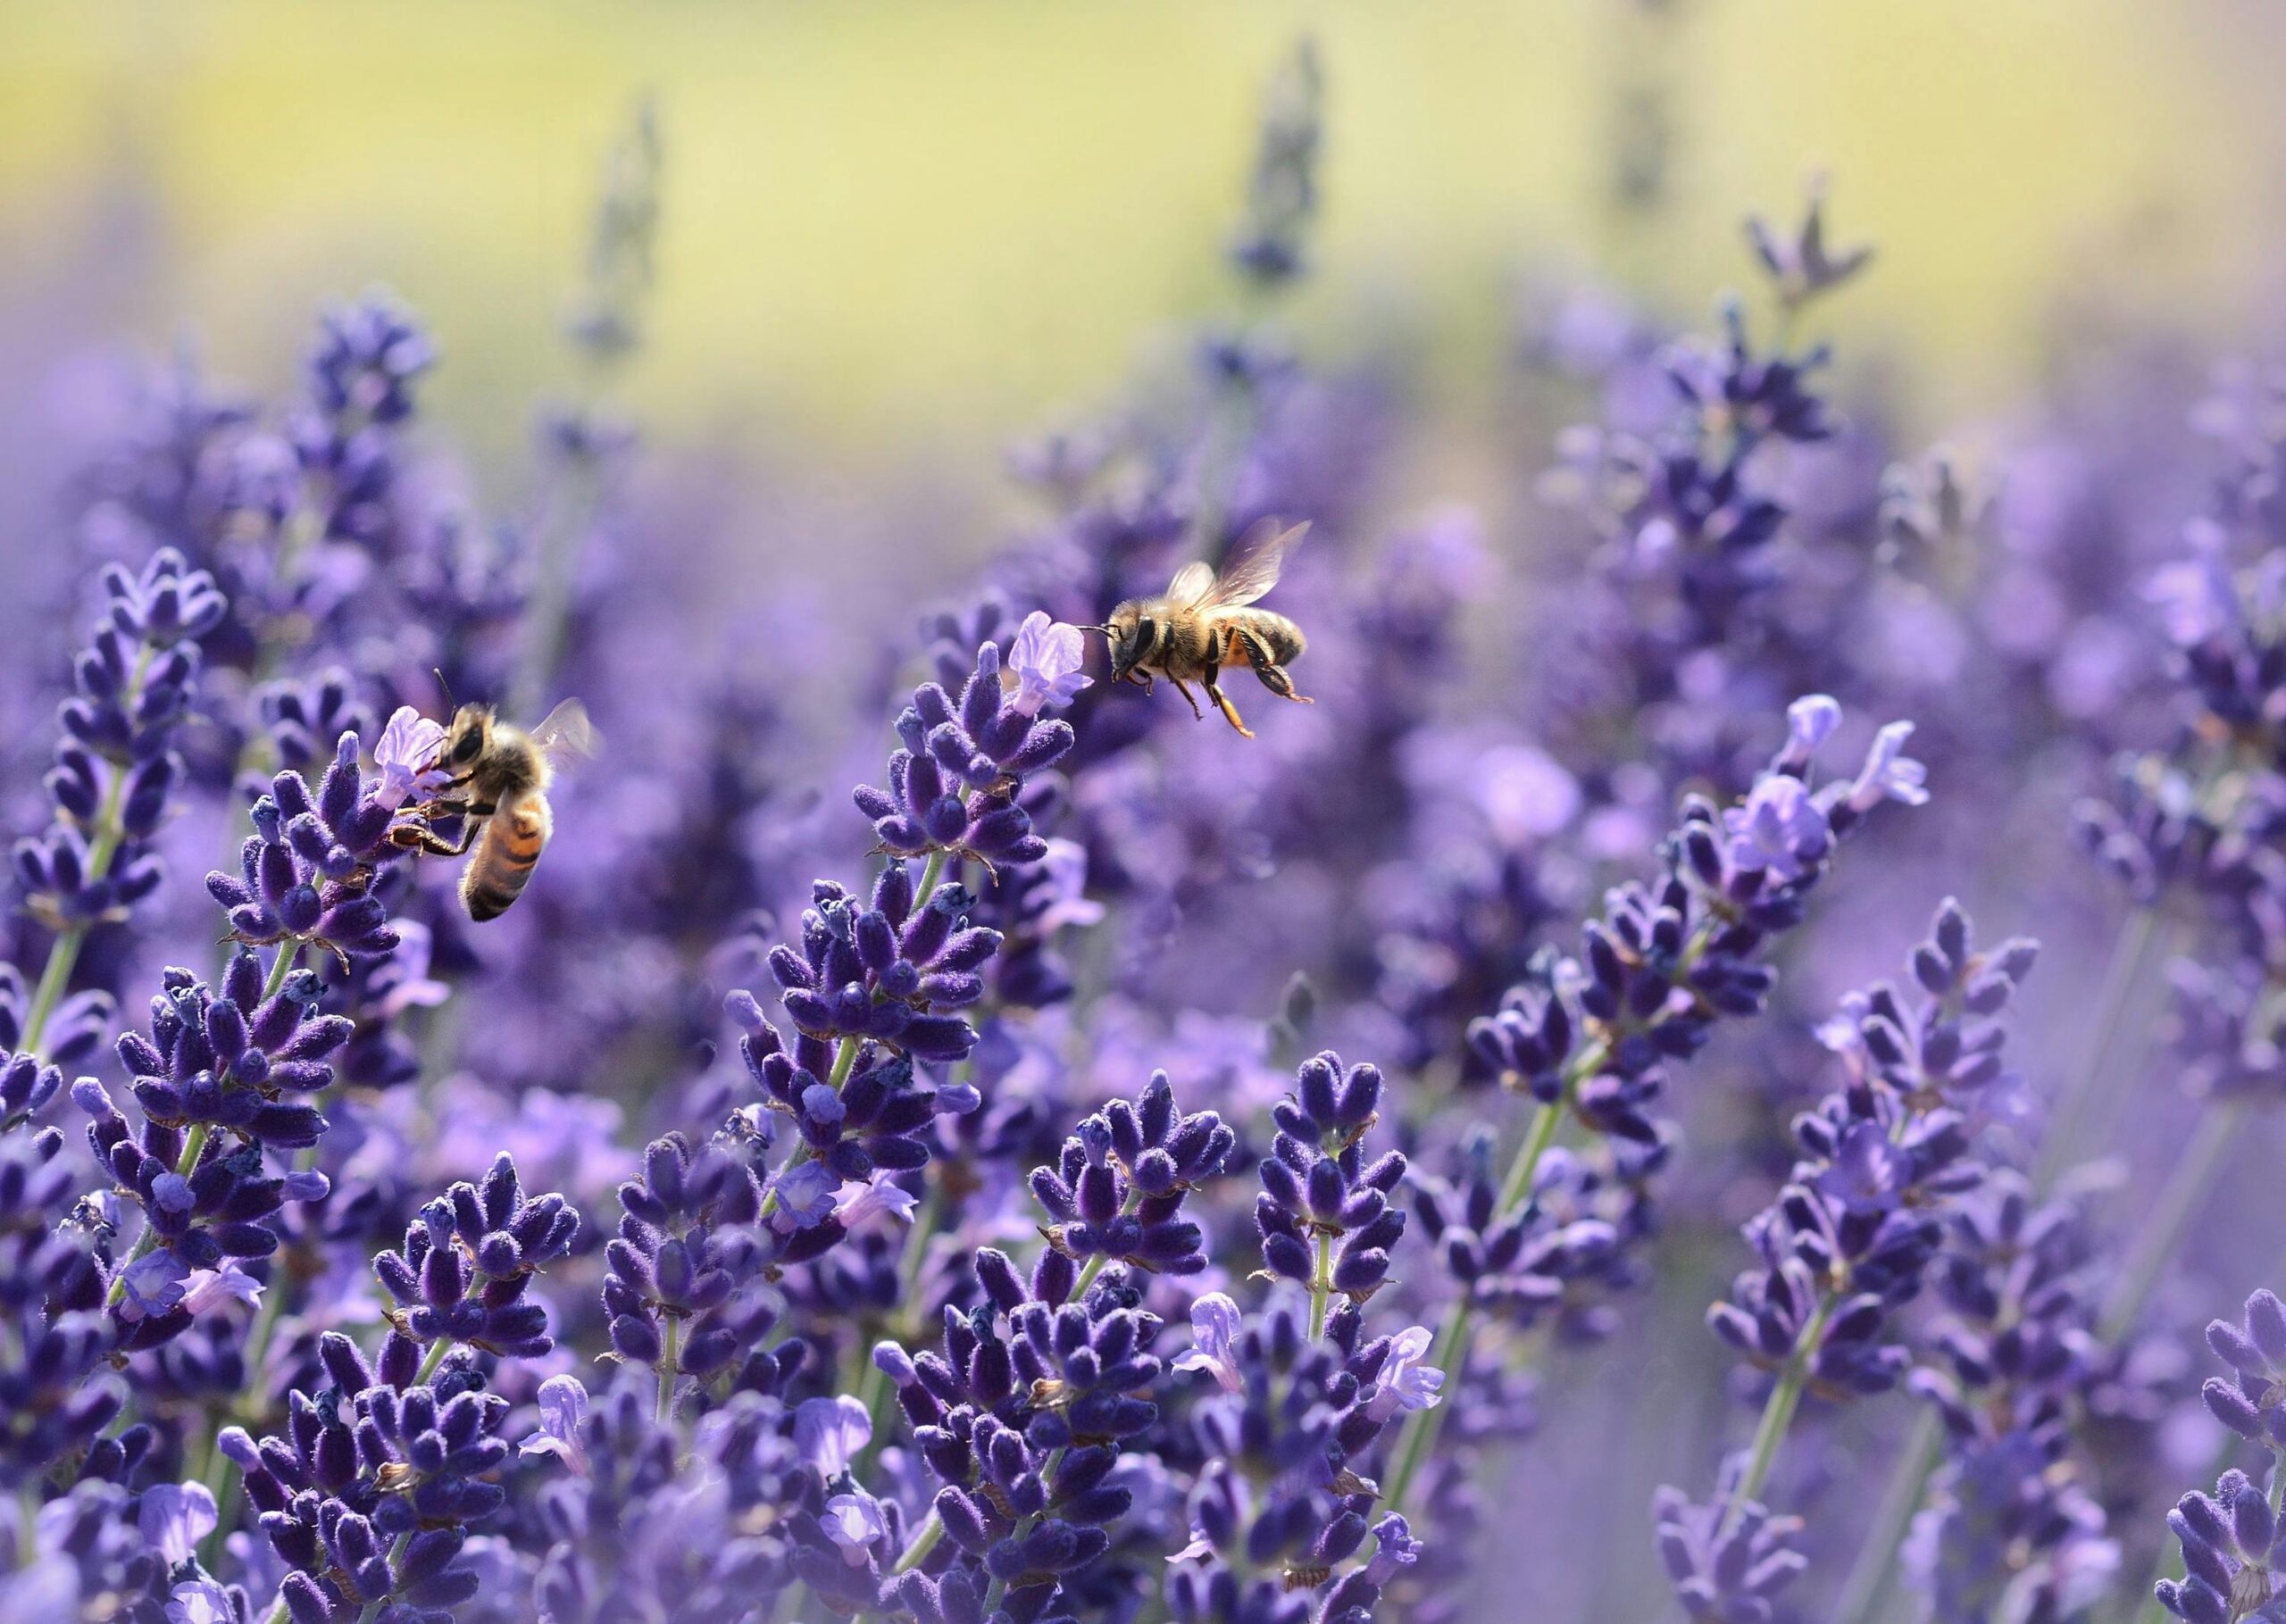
497, 787
1202, 623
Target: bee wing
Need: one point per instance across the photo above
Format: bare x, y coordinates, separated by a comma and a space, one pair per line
565, 733
1255, 570
1191, 585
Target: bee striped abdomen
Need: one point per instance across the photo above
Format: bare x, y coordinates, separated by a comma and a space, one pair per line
1257, 637
504, 855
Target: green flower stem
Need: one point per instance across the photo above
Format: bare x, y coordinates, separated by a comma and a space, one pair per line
1449, 1353
1320, 1284
924, 1540
103, 849
1778, 1414
669, 1375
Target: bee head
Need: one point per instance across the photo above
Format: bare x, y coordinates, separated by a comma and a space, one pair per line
467, 738
1123, 633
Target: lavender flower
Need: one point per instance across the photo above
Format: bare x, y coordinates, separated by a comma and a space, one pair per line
463, 1273
683, 1269
953, 787
115, 769
1727, 1564
1118, 1188
2233, 1550
1316, 1183
307, 874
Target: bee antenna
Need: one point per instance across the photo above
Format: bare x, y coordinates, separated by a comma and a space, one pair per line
443, 687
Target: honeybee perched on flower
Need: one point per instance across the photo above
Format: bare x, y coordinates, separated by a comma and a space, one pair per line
1203, 622
494, 779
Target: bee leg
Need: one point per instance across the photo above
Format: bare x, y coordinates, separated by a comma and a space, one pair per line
1274, 675
1184, 688
415, 837
1222, 702
420, 837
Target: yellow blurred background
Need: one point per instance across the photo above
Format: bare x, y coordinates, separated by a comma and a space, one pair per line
925, 226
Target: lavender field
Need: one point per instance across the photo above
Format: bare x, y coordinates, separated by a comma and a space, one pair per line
1644, 982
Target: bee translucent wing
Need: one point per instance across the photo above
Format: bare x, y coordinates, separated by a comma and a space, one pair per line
1255, 570
566, 734
1191, 585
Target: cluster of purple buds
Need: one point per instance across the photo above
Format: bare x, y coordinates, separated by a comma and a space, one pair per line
114, 771
2229, 655
1801, 267
1856, 1231
1688, 501
685, 1261
889, 972
2228, 1037
2155, 832
50, 1299
1945, 1050
2233, 1556
235, 1057
2008, 1513
1668, 961
106, 1551
1324, 1212
1283, 191
1853, 1233
1751, 397
1118, 1187
468, 1258
360, 375
953, 787
1541, 1258
216, 1063
25, 1085
856, 1112
305, 875
2012, 1282
1727, 1569
2255, 1349
368, 1494
303, 716
1020, 1413
1280, 1505
719, 1519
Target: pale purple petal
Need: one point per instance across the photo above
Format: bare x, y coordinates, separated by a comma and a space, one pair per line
828, 1432
174, 1517
854, 1522
1214, 1327
199, 1601
1043, 667
858, 1203
207, 1289
563, 1418
407, 747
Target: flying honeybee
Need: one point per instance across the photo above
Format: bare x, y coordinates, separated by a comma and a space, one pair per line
497, 787
1202, 623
